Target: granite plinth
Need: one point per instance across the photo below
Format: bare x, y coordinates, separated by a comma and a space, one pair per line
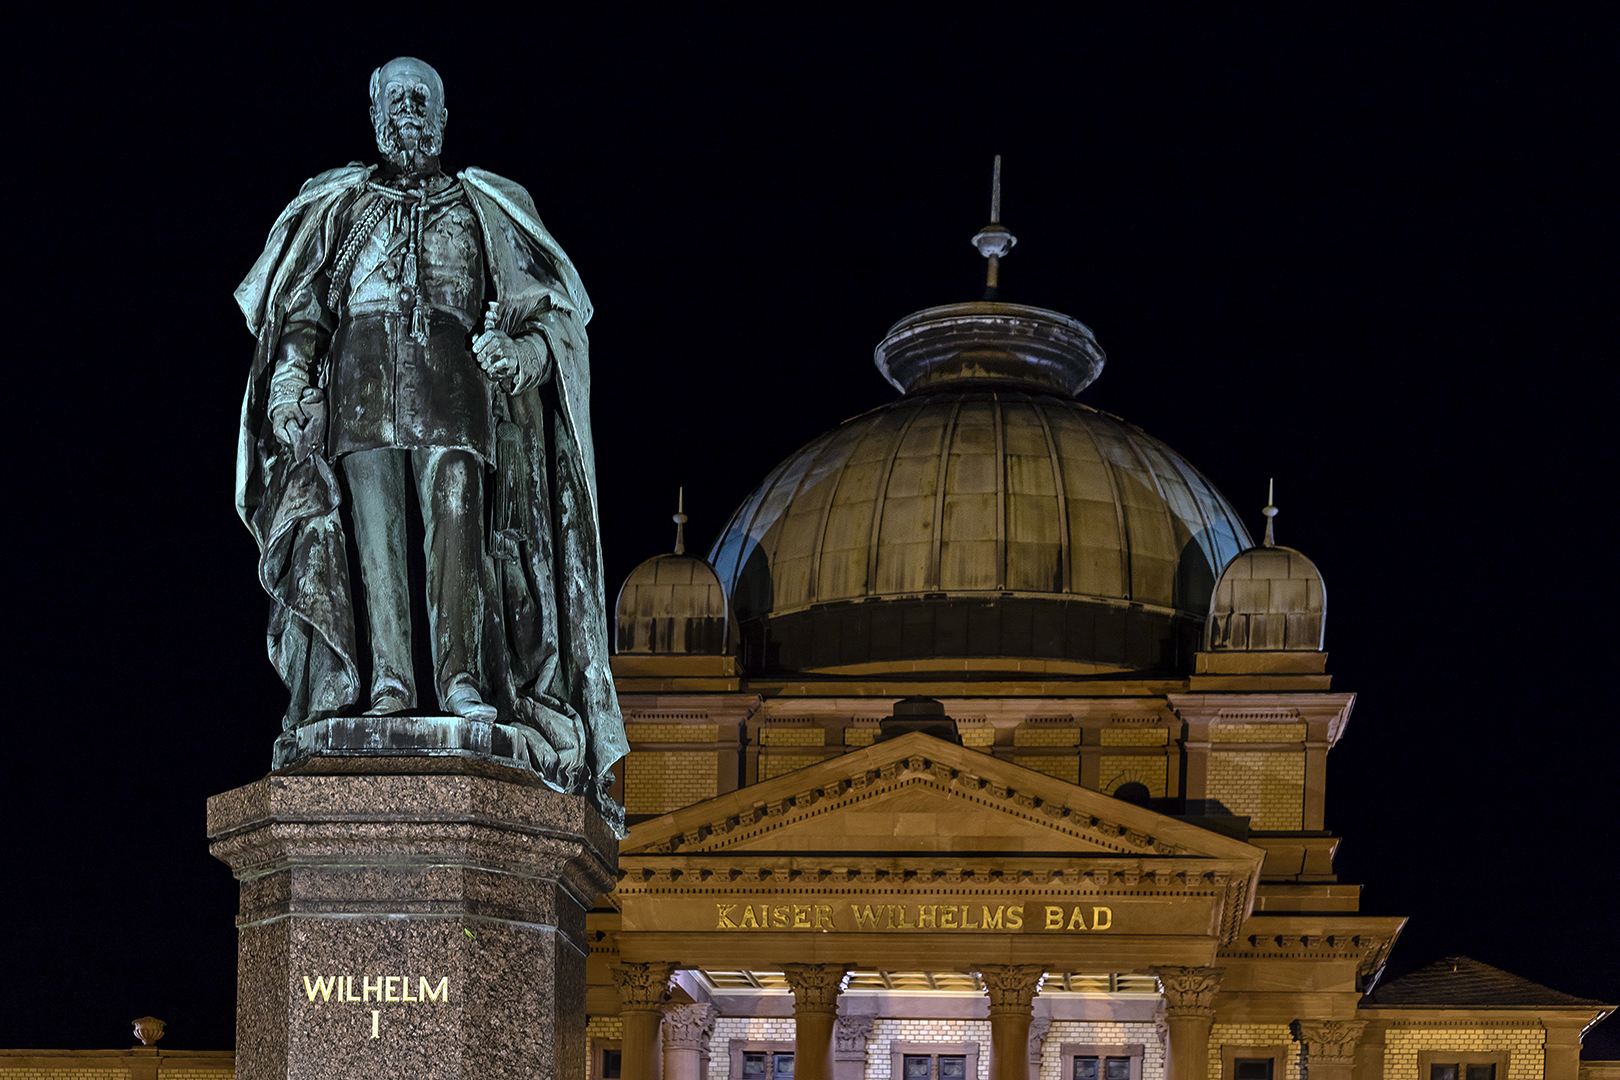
420, 925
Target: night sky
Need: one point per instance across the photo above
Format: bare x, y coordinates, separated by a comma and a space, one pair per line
1371, 259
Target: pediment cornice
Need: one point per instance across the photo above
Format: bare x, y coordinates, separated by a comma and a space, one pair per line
1080, 821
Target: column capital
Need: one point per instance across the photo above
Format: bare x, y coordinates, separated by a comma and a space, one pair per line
850, 1034
642, 987
688, 1027
1012, 987
815, 986
1328, 1042
1189, 991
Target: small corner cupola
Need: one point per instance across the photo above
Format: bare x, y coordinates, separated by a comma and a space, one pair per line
989, 342
1268, 599
673, 604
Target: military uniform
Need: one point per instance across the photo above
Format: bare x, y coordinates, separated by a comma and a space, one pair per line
386, 327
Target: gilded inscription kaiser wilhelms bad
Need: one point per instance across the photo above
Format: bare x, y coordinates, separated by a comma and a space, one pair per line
415, 463
422, 364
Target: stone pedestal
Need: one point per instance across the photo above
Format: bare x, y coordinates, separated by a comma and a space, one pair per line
426, 924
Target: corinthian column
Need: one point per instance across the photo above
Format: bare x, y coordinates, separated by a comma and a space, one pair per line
815, 1007
687, 1030
643, 990
1012, 990
1189, 1000
1330, 1046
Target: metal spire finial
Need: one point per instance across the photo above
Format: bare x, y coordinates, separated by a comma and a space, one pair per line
680, 522
994, 241
1270, 511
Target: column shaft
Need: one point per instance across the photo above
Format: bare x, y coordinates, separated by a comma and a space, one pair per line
687, 1029
815, 1011
1012, 989
643, 991
1189, 998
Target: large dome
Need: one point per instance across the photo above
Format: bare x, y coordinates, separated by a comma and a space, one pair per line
981, 516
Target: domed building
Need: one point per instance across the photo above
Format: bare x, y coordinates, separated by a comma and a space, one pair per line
987, 745
984, 516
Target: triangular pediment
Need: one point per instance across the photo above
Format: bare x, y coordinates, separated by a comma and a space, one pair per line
919, 796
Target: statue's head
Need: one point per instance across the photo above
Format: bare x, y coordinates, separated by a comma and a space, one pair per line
408, 113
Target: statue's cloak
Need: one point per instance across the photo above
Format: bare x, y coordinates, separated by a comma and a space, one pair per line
545, 639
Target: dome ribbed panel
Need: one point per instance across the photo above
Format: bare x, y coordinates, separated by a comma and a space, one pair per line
905, 534
1034, 534
979, 494
969, 526
1099, 565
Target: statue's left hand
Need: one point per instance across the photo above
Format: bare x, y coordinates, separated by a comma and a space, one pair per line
497, 354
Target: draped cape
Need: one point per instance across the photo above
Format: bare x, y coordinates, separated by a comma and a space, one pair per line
545, 634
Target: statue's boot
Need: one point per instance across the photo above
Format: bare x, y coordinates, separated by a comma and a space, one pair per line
389, 701
465, 701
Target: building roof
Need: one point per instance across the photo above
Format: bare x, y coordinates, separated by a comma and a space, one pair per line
1268, 599
1459, 982
987, 513
672, 603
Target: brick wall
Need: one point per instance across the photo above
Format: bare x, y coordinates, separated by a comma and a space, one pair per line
1047, 735
600, 1027
976, 735
1150, 736
657, 781
886, 1030
1116, 769
751, 1028
116, 1064
1272, 733
1088, 1033
1066, 767
1523, 1044
1266, 786
671, 732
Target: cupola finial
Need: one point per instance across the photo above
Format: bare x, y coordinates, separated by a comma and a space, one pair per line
680, 522
994, 241
1270, 511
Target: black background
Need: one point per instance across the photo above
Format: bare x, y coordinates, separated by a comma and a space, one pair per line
1371, 258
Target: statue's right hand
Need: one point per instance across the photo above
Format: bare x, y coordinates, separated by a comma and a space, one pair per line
286, 421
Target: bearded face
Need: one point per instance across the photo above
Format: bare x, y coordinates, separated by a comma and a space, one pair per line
408, 114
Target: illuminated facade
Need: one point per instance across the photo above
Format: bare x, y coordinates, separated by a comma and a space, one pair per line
986, 743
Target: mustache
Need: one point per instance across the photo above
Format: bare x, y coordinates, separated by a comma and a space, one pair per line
429, 138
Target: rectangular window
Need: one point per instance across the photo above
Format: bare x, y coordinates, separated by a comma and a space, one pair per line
1458, 1070
1255, 1068
934, 1061
611, 1064
761, 1059
1256, 1062
1462, 1065
1102, 1062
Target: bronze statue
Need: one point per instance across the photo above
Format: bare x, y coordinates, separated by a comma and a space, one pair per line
422, 350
